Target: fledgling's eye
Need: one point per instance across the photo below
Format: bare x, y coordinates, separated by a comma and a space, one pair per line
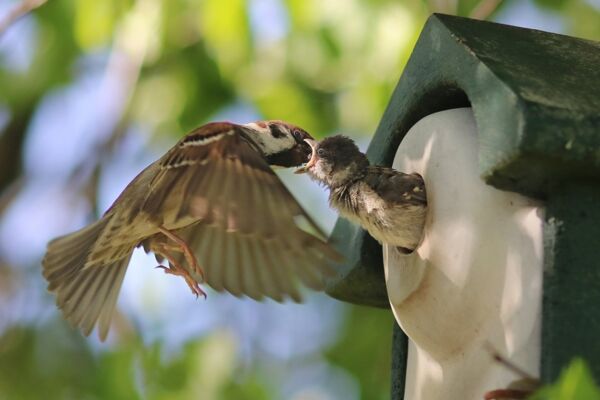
321, 152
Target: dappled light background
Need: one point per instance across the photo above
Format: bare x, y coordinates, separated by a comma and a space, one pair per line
93, 91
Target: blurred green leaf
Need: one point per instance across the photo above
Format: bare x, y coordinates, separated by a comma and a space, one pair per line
117, 375
284, 100
553, 4
302, 14
40, 363
95, 21
329, 42
583, 19
225, 28
576, 382
364, 349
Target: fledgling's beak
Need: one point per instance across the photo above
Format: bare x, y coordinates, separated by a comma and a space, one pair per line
313, 158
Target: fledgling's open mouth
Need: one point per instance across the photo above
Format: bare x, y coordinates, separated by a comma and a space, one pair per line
313, 157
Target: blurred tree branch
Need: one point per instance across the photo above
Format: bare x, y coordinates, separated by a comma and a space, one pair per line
481, 10
132, 41
443, 6
484, 9
11, 144
19, 11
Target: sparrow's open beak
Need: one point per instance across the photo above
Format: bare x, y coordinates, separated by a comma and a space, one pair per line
313, 157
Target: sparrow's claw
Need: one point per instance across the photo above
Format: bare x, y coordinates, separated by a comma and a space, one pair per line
176, 269
194, 285
197, 290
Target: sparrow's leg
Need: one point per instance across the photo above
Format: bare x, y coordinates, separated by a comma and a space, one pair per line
176, 269
187, 252
519, 389
500, 394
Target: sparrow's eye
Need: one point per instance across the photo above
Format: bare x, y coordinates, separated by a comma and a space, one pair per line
321, 152
298, 136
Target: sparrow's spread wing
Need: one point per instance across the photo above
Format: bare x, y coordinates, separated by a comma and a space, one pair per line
218, 193
397, 187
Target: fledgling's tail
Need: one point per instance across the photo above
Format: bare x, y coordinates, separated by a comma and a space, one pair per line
86, 292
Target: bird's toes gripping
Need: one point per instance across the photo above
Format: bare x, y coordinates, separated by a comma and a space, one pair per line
166, 270
182, 246
177, 270
197, 290
179, 245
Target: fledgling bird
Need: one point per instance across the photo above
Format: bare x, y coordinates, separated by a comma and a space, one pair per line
212, 201
389, 204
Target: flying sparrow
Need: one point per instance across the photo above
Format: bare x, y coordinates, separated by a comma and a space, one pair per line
389, 204
212, 201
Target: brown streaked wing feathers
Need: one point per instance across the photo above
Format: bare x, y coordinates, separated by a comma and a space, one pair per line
86, 293
245, 237
397, 186
183, 166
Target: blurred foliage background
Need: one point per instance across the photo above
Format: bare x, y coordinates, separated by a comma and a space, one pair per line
92, 91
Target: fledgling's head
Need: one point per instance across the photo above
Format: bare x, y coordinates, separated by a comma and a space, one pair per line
335, 161
281, 143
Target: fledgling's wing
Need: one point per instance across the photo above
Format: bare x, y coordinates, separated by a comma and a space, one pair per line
402, 188
220, 195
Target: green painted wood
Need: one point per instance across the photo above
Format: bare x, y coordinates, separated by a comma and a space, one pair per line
571, 302
535, 96
360, 279
399, 351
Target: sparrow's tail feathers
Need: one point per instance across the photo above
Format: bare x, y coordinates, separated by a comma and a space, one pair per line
86, 292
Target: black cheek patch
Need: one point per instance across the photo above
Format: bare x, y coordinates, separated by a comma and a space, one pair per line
305, 149
276, 132
289, 158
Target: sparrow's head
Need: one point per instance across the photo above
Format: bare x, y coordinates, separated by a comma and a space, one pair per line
281, 143
335, 161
